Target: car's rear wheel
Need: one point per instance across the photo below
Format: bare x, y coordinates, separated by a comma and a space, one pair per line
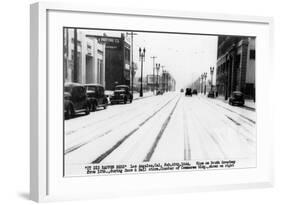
94, 107
69, 112
125, 100
87, 111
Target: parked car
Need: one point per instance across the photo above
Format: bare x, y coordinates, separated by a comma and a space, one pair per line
96, 96
194, 92
159, 92
121, 94
211, 94
75, 100
237, 98
188, 92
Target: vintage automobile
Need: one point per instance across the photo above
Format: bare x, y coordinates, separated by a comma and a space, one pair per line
211, 94
194, 92
121, 94
96, 96
159, 92
188, 92
237, 98
75, 100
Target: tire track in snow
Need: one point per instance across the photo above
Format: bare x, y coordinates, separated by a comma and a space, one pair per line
95, 122
187, 148
164, 126
81, 144
116, 145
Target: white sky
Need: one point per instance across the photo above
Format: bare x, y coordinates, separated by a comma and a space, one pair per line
186, 57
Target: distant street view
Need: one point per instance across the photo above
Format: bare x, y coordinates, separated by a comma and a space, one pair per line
133, 97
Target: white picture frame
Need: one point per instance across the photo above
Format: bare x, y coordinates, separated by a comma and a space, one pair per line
46, 181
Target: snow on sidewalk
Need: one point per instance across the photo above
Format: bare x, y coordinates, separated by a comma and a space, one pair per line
145, 94
248, 103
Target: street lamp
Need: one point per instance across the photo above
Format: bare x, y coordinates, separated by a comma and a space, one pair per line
157, 70
212, 73
141, 58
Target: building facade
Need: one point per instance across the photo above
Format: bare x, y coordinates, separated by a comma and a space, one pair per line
84, 58
236, 66
167, 82
117, 60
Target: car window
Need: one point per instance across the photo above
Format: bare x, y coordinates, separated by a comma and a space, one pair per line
76, 92
120, 88
92, 88
101, 90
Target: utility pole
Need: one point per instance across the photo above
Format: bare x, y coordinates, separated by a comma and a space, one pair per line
153, 57
132, 59
157, 80
75, 57
162, 66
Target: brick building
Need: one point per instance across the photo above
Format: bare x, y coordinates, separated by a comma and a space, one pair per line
236, 66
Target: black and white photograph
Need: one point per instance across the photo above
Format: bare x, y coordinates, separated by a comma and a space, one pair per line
149, 101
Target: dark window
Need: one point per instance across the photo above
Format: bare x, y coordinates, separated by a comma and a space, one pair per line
237, 62
127, 54
252, 54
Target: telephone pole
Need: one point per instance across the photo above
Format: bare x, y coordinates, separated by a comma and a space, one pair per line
132, 59
75, 57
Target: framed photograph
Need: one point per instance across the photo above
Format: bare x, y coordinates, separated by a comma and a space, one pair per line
129, 102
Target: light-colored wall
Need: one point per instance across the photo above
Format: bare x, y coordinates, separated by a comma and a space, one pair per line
84, 51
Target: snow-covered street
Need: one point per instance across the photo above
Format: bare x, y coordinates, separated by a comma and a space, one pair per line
169, 127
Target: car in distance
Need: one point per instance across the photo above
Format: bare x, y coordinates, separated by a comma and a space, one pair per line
182, 90
194, 92
211, 94
188, 92
96, 96
121, 94
236, 98
75, 100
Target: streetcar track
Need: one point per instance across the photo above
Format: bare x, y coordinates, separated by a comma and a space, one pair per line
252, 121
234, 121
75, 147
164, 126
187, 147
116, 145
210, 135
248, 119
100, 121
243, 135
244, 118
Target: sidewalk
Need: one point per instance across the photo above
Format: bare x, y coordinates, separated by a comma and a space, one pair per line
136, 94
249, 104
145, 95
